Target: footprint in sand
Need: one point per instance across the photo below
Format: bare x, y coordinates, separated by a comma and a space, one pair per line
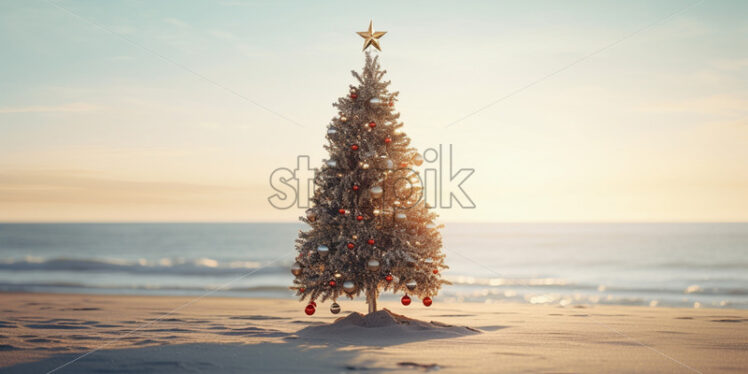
491, 328
7, 325
254, 331
56, 327
257, 317
40, 340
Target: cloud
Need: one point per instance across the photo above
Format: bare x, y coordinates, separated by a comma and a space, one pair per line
85, 187
64, 108
233, 3
176, 22
122, 58
123, 29
722, 105
221, 34
734, 64
80, 195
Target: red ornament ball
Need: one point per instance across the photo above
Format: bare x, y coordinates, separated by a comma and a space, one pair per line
405, 300
332, 283
302, 289
341, 211
387, 140
350, 245
354, 147
427, 301
313, 303
360, 218
309, 310
370, 241
388, 278
355, 187
354, 96
372, 124
436, 271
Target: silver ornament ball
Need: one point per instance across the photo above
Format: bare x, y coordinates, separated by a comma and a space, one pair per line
311, 215
349, 286
376, 192
418, 160
372, 265
335, 308
296, 269
323, 250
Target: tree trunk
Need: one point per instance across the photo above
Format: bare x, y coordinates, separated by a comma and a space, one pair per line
371, 299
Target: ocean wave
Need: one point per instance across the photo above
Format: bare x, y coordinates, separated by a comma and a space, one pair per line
166, 266
564, 285
498, 282
483, 295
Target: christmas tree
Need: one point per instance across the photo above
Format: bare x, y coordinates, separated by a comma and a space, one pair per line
370, 230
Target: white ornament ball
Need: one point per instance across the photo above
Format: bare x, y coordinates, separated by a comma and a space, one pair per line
365, 166
411, 284
376, 212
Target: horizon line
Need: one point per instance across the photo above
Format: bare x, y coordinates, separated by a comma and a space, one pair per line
293, 222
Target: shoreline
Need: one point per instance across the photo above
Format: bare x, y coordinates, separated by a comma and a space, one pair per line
255, 294
40, 331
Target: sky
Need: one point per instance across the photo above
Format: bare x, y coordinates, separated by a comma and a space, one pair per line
575, 111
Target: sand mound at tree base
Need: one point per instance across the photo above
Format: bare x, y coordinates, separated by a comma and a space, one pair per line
382, 328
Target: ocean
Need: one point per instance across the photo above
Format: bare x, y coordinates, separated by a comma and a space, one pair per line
658, 264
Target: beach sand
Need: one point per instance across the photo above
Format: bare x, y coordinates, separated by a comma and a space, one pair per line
41, 332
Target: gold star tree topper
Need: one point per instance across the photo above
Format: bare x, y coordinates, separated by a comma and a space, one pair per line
372, 38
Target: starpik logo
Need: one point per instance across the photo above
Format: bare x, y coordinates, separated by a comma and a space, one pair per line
441, 180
